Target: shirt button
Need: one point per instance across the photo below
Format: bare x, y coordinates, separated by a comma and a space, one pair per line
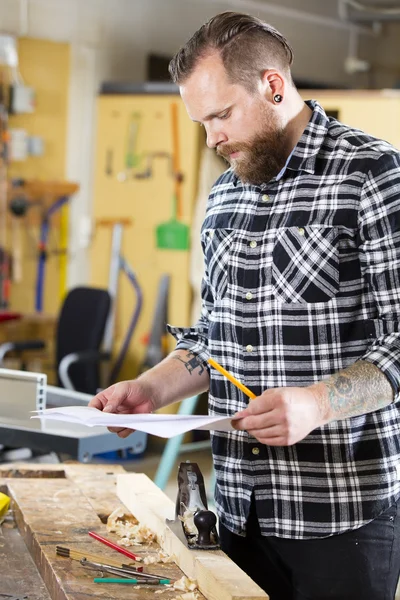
249, 296
265, 198
255, 451
249, 348
253, 244
301, 231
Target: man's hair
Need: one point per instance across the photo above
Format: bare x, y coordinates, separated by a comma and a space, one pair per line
247, 47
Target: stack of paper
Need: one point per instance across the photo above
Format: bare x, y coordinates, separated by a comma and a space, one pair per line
156, 424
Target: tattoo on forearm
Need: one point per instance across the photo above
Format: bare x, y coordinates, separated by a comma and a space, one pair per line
359, 389
192, 362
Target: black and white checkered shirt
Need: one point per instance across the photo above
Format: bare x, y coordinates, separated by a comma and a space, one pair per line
302, 279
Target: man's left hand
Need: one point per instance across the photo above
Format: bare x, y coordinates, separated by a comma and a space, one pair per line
281, 416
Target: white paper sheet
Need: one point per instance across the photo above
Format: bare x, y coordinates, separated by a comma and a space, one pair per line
156, 424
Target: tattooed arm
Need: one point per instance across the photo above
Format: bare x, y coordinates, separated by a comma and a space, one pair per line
359, 389
284, 416
181, 375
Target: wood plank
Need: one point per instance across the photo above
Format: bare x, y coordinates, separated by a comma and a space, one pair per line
217, 576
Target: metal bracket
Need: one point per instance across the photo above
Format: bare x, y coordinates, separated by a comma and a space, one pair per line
21, 392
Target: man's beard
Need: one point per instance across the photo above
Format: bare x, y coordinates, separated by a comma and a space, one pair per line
262, 158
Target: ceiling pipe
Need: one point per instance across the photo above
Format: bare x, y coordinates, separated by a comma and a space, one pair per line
259, 6
368, 13
23, 18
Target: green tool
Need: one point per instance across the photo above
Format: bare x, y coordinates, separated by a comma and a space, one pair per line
173, 235
132, 159
132, 581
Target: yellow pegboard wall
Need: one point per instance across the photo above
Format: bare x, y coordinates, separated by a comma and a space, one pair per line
147, 202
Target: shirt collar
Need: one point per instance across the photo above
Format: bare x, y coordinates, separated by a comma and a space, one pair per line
306, 150
304, 154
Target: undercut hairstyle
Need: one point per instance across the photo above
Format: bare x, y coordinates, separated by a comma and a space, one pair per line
247, 46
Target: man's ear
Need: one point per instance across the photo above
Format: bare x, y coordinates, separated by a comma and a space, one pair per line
273, 84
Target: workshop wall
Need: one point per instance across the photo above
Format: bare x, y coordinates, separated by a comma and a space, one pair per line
110, 40
45, 66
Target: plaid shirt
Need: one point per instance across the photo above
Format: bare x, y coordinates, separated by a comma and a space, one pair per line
302, 279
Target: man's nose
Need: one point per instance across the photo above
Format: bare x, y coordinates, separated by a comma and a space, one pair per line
215, 137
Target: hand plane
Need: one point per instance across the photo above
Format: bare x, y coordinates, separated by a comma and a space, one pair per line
194, 524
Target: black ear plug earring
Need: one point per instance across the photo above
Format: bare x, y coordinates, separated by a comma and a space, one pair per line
278, 98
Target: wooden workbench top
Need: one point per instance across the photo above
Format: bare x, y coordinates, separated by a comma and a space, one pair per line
57, 505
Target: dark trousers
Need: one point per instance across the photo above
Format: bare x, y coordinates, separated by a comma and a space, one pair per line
363, 564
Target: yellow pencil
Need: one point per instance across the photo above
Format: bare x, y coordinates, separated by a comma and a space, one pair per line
231, 378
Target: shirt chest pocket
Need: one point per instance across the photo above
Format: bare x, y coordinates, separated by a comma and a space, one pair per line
305, 264
217, 245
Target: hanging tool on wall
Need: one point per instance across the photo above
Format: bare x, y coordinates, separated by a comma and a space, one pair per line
119, 265
49, 197
174, 235
150, 159
131, 158
43, 250
178, 177
4, 161
109, 162
18, 206
157, 343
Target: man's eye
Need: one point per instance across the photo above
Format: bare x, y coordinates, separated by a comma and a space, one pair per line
224, 116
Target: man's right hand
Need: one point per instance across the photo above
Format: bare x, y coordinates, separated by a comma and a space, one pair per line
125, 397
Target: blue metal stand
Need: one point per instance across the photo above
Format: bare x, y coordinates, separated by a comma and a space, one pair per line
174, 447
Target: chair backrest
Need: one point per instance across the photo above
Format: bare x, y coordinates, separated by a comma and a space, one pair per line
80, 327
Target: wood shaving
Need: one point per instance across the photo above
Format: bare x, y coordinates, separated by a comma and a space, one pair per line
188, 520
118, 517
188, 596
185, 584
137, 535
157, 557
128, 528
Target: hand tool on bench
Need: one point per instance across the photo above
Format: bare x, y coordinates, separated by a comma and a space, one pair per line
194, 524
126, 572
111, 544
79, 554
131, 581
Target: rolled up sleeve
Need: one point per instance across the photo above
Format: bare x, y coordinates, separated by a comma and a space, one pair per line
379, 220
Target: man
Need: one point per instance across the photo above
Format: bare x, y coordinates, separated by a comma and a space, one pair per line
301, 303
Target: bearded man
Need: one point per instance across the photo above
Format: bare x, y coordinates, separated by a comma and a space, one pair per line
301, 303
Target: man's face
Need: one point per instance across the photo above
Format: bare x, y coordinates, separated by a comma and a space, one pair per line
242, 127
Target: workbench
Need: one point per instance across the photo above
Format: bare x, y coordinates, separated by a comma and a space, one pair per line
57, 505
